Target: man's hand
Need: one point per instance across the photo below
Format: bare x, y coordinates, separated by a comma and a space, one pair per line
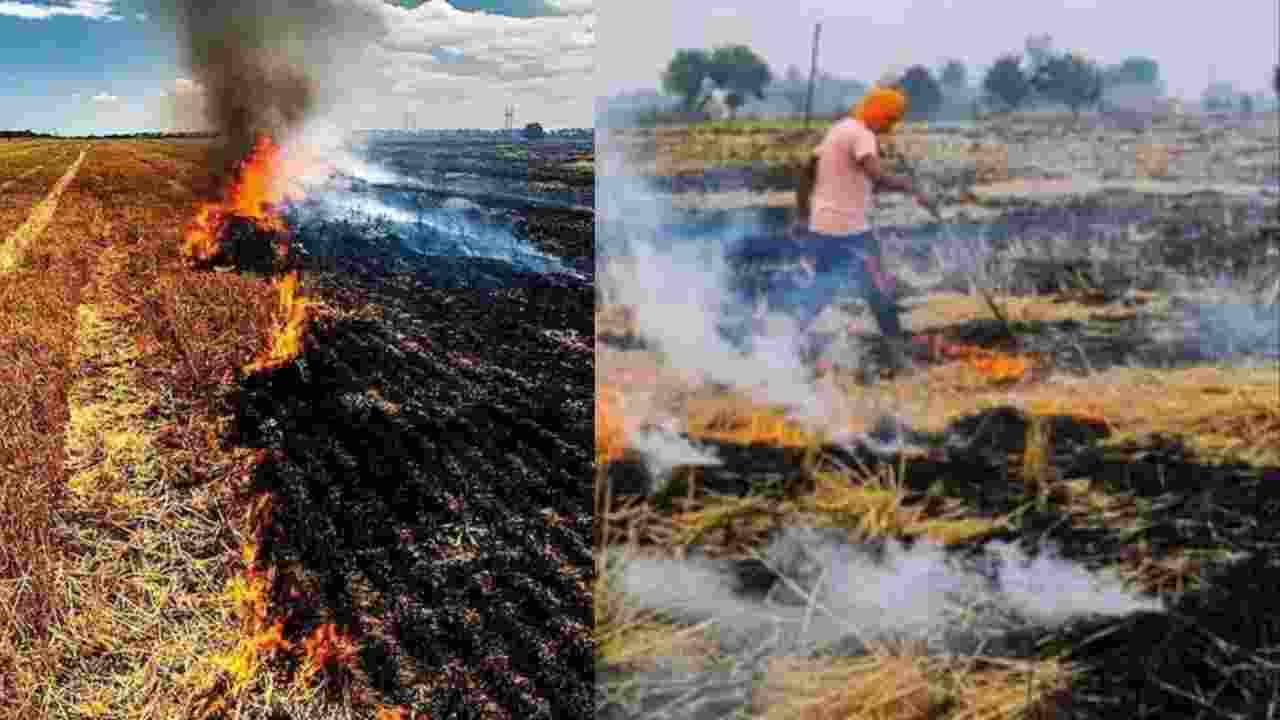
881, 180
928, 203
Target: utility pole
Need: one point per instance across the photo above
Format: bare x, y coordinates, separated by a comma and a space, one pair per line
510, 115
813, 72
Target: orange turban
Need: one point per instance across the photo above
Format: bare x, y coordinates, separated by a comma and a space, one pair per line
880, 109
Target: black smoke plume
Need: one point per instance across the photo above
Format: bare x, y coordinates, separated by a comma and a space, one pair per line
268, 66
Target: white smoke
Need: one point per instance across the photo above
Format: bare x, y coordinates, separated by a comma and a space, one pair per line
424, 231
680, 292
831, 591
664, 449
1051, 590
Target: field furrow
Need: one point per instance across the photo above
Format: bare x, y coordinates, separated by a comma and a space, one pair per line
41, 215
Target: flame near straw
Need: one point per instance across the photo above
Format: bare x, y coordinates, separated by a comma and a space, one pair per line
253, 194
262, 182
288, 329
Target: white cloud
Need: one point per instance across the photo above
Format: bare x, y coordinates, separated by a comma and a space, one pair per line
90, 9
181, 107
106, 98
435, 55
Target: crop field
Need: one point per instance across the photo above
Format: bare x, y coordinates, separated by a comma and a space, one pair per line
357, 489
1062, 502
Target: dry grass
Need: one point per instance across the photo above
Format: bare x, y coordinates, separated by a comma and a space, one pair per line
902, 685
991, 162
872, 505
943, 309
1152, 160
120, 504
41, 215
895, 681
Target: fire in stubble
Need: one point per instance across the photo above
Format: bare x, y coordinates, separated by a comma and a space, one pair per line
289, 328
745, 425
996, 366
255, 194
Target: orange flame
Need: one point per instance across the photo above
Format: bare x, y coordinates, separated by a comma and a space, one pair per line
750, 427
325, 649
288, 329
991, 364
255, 193
611, 438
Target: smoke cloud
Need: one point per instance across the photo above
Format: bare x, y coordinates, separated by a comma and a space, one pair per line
687, 308
270, 66
833, 591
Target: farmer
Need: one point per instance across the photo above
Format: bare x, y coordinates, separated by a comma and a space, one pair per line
834, 194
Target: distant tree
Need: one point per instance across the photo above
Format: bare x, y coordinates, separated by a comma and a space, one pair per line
685, 75
1275, 80
1219, 97
922, 90
954, 75
738, 71
1246, 104
1134, 71
1070, 79
534, 131
1006, 83
1039, 50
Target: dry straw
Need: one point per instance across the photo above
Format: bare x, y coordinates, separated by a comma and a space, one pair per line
992, 161
1153, 160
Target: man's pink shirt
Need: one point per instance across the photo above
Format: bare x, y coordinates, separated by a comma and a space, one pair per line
842, 191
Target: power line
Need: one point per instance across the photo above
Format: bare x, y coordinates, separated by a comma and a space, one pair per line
813, 71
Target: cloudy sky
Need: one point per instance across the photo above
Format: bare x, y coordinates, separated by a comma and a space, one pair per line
1234, 40
85, 66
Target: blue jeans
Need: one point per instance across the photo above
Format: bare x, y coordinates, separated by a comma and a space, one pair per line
840, 262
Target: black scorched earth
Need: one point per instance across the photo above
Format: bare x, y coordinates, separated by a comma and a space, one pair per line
429, 470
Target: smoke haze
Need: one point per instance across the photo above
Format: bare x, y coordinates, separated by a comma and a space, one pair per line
270, 66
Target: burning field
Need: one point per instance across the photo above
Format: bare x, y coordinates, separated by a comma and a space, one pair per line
268, 458
1058, 499
292, 430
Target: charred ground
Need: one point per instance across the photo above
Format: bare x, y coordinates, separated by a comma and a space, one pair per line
427, 466
413, 488
1139, 438
429, 469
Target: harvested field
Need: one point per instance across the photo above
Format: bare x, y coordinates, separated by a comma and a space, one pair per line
1057, 499
390, 519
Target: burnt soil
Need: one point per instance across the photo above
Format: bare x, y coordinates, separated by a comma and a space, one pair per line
1216, 652
429, 463
1213, 655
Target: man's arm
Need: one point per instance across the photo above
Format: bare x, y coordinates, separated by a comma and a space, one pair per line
882, 181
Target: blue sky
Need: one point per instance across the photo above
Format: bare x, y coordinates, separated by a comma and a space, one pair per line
51, 71
103, 66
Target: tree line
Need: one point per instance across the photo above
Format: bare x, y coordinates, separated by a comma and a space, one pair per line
1037, 75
